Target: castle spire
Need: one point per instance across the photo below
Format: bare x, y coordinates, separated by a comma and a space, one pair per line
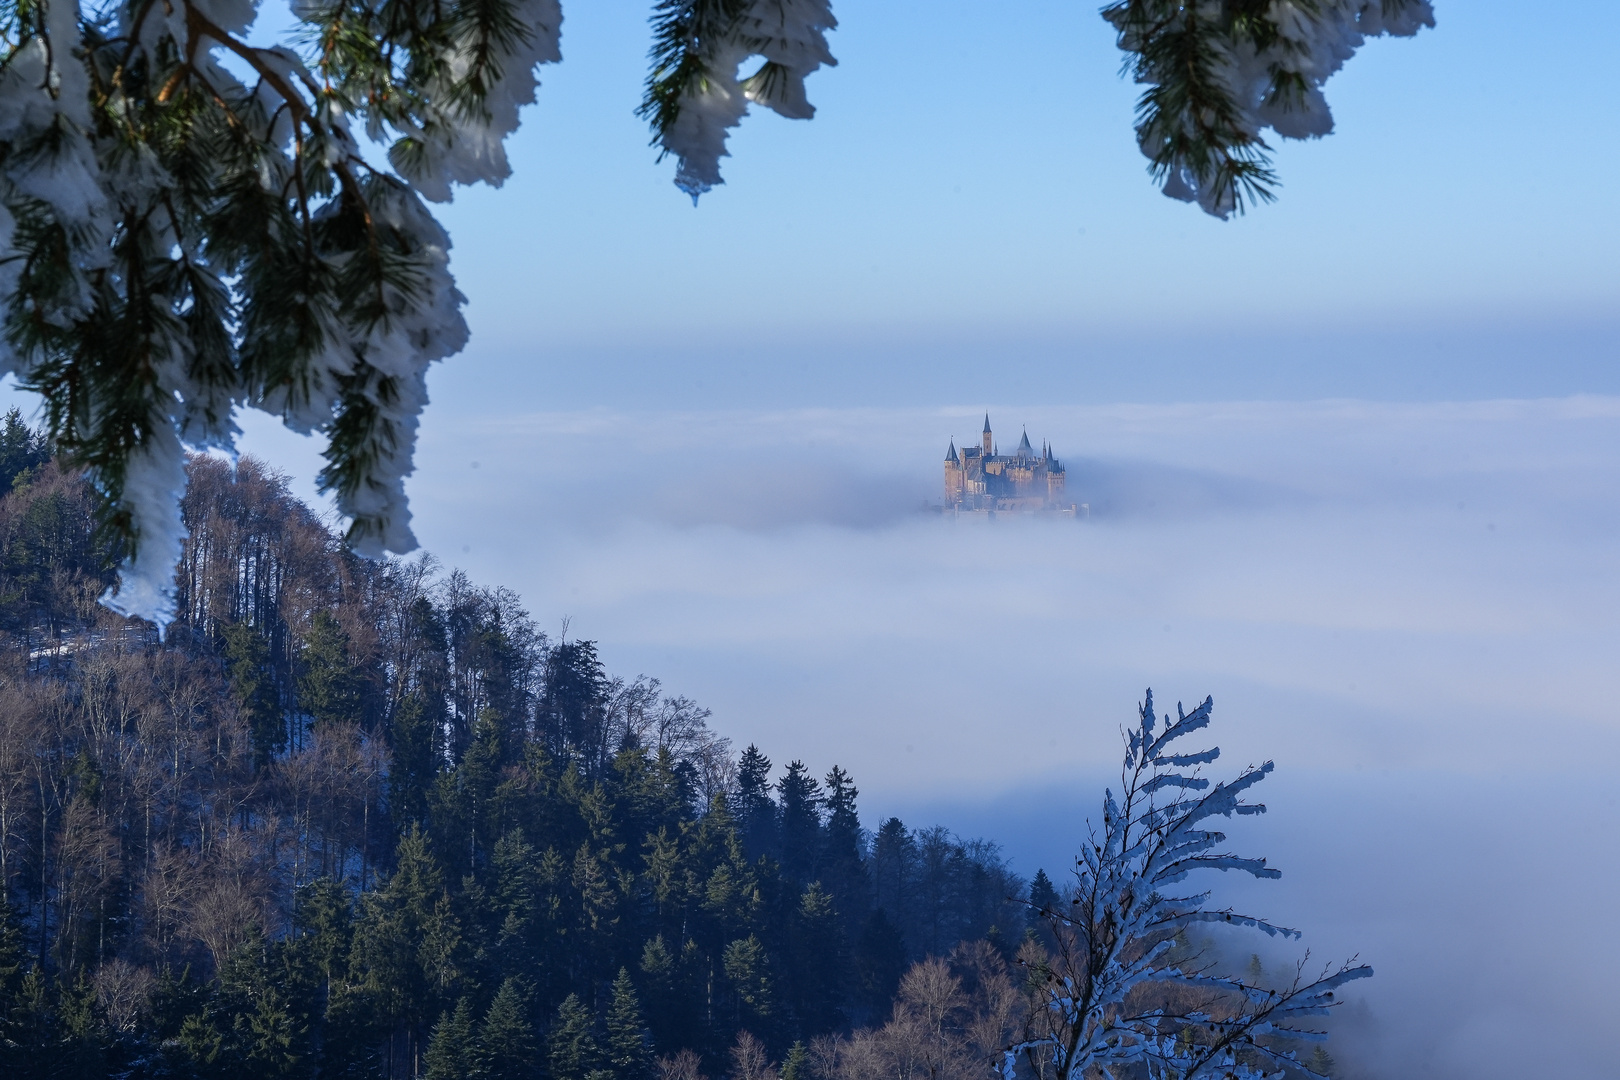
989, 444
950, 455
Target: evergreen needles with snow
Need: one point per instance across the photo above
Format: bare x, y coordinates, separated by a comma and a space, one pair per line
189, 225
695, 93
1120, 998
1219, 72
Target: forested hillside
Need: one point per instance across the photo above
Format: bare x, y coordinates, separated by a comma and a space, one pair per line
366, 819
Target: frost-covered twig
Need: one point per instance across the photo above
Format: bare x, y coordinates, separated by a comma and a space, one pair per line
1109, 992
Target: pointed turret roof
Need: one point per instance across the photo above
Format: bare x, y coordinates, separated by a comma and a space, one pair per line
987, 423
1024, 449
950, 455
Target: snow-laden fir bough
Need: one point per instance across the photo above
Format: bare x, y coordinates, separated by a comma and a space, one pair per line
1118, 1000
193, 223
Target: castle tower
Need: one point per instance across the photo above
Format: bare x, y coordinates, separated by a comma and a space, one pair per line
988, 444
953, 475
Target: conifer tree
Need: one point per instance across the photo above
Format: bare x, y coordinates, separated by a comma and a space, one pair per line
800, 818
821, 963
21, 449
414, 766
880, 960
752, 805
843, 819
330, 685
796, 1066
572, 1051
247, 661
747, 969
506, 1048
450, 1050
324, 920
628, 1055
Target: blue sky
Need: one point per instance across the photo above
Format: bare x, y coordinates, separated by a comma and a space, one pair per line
969, 199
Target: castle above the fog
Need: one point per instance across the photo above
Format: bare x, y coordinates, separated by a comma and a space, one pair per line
978, 478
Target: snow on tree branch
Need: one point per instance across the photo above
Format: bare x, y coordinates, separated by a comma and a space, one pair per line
1220, 72
1117, 1000
176, 243
695, 92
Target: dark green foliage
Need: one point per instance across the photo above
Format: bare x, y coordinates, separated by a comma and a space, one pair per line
253, 681
570, 712
1042, 895
628, 1055
506, 1048
450, 1053
752, 805
410, 780
572, 1052
800, 826
821, 964
796, 1066
684, 31
21, 449
330, 685
880, 960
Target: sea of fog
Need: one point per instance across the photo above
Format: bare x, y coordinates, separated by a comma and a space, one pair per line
1414, 609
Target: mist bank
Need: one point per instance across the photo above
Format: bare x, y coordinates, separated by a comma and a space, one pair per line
1474, 896
1413, 609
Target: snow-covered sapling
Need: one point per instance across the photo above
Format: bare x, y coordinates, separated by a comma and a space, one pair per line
1118, 998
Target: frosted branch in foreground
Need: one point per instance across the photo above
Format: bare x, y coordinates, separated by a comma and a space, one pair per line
1116, 998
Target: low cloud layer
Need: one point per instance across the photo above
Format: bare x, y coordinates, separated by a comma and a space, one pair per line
1413, 609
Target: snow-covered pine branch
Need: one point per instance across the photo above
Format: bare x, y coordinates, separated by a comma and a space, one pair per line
695, 91
176, 243
1220, 72
1114, 998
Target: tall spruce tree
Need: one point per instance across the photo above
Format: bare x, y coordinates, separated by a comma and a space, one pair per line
450, 1050
572, 1051
752, 805
628, 1055
21, 448
800, 823
253, 681
330, 684
506, 1048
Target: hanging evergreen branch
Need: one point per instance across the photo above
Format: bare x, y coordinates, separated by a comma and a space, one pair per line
1219, 72
694, 94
